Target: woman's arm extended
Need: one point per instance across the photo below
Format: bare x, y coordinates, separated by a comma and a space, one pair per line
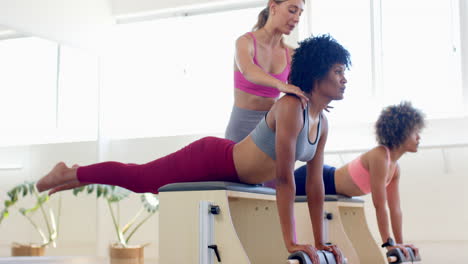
393, 201
378, 169
288, 121
316, 194
396, 215
315, 189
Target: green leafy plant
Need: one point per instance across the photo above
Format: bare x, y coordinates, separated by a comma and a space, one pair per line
40, 205
113, 195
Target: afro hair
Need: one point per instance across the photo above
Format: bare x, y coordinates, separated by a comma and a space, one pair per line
314, 58
396, 123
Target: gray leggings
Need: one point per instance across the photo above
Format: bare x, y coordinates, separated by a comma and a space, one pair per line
242, 122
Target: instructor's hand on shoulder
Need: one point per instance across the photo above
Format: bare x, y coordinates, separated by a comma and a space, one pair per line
292, 89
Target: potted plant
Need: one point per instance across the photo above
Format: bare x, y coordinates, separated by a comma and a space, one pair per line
40, 205
122, 251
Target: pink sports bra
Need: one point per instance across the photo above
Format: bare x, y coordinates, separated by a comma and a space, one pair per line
361, 175
243, 84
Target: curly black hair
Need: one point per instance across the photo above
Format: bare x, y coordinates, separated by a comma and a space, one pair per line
314, 58
396, 122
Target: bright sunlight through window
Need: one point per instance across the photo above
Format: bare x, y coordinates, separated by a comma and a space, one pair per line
172, 76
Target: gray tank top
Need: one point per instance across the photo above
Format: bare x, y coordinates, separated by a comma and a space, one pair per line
264, 138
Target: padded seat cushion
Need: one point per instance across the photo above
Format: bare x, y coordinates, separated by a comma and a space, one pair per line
216, 185
242, 187
332, 198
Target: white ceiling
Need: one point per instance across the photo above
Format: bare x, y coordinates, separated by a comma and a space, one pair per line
128, 7
84, 23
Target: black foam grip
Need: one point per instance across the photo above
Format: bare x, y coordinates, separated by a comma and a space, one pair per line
396, 252
324, 256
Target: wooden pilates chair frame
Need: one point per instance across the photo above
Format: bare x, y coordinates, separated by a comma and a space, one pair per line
246, 230
246, 227
345, 225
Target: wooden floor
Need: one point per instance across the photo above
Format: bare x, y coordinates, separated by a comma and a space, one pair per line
54, 260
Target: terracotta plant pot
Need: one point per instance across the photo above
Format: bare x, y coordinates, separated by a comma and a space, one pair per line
27, 250
128, 255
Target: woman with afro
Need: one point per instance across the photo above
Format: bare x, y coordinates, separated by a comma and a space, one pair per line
377, 171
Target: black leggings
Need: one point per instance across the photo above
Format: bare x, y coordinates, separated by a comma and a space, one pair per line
300, 176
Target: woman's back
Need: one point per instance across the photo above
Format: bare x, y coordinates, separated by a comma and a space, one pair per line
252, 164
259, 147
345, 177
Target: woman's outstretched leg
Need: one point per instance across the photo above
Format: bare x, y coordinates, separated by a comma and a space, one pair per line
207, 159
60, 175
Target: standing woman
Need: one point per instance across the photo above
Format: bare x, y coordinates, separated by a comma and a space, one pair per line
262, 66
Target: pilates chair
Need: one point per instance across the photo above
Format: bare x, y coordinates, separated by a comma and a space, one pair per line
220, 222
345, 225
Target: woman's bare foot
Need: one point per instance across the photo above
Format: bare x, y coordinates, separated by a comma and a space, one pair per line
58, 176
67, 186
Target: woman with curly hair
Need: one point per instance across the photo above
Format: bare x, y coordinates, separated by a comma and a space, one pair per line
377, 170
262, 65
287, 133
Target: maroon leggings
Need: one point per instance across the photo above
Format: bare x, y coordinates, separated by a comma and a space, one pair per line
207, 159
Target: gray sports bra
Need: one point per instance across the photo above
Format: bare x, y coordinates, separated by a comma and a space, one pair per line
264, 138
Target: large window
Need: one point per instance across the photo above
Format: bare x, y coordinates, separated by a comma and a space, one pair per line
401, 50
349, 23
78, 95
172, 76
421, 59
28, 68
47, 94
